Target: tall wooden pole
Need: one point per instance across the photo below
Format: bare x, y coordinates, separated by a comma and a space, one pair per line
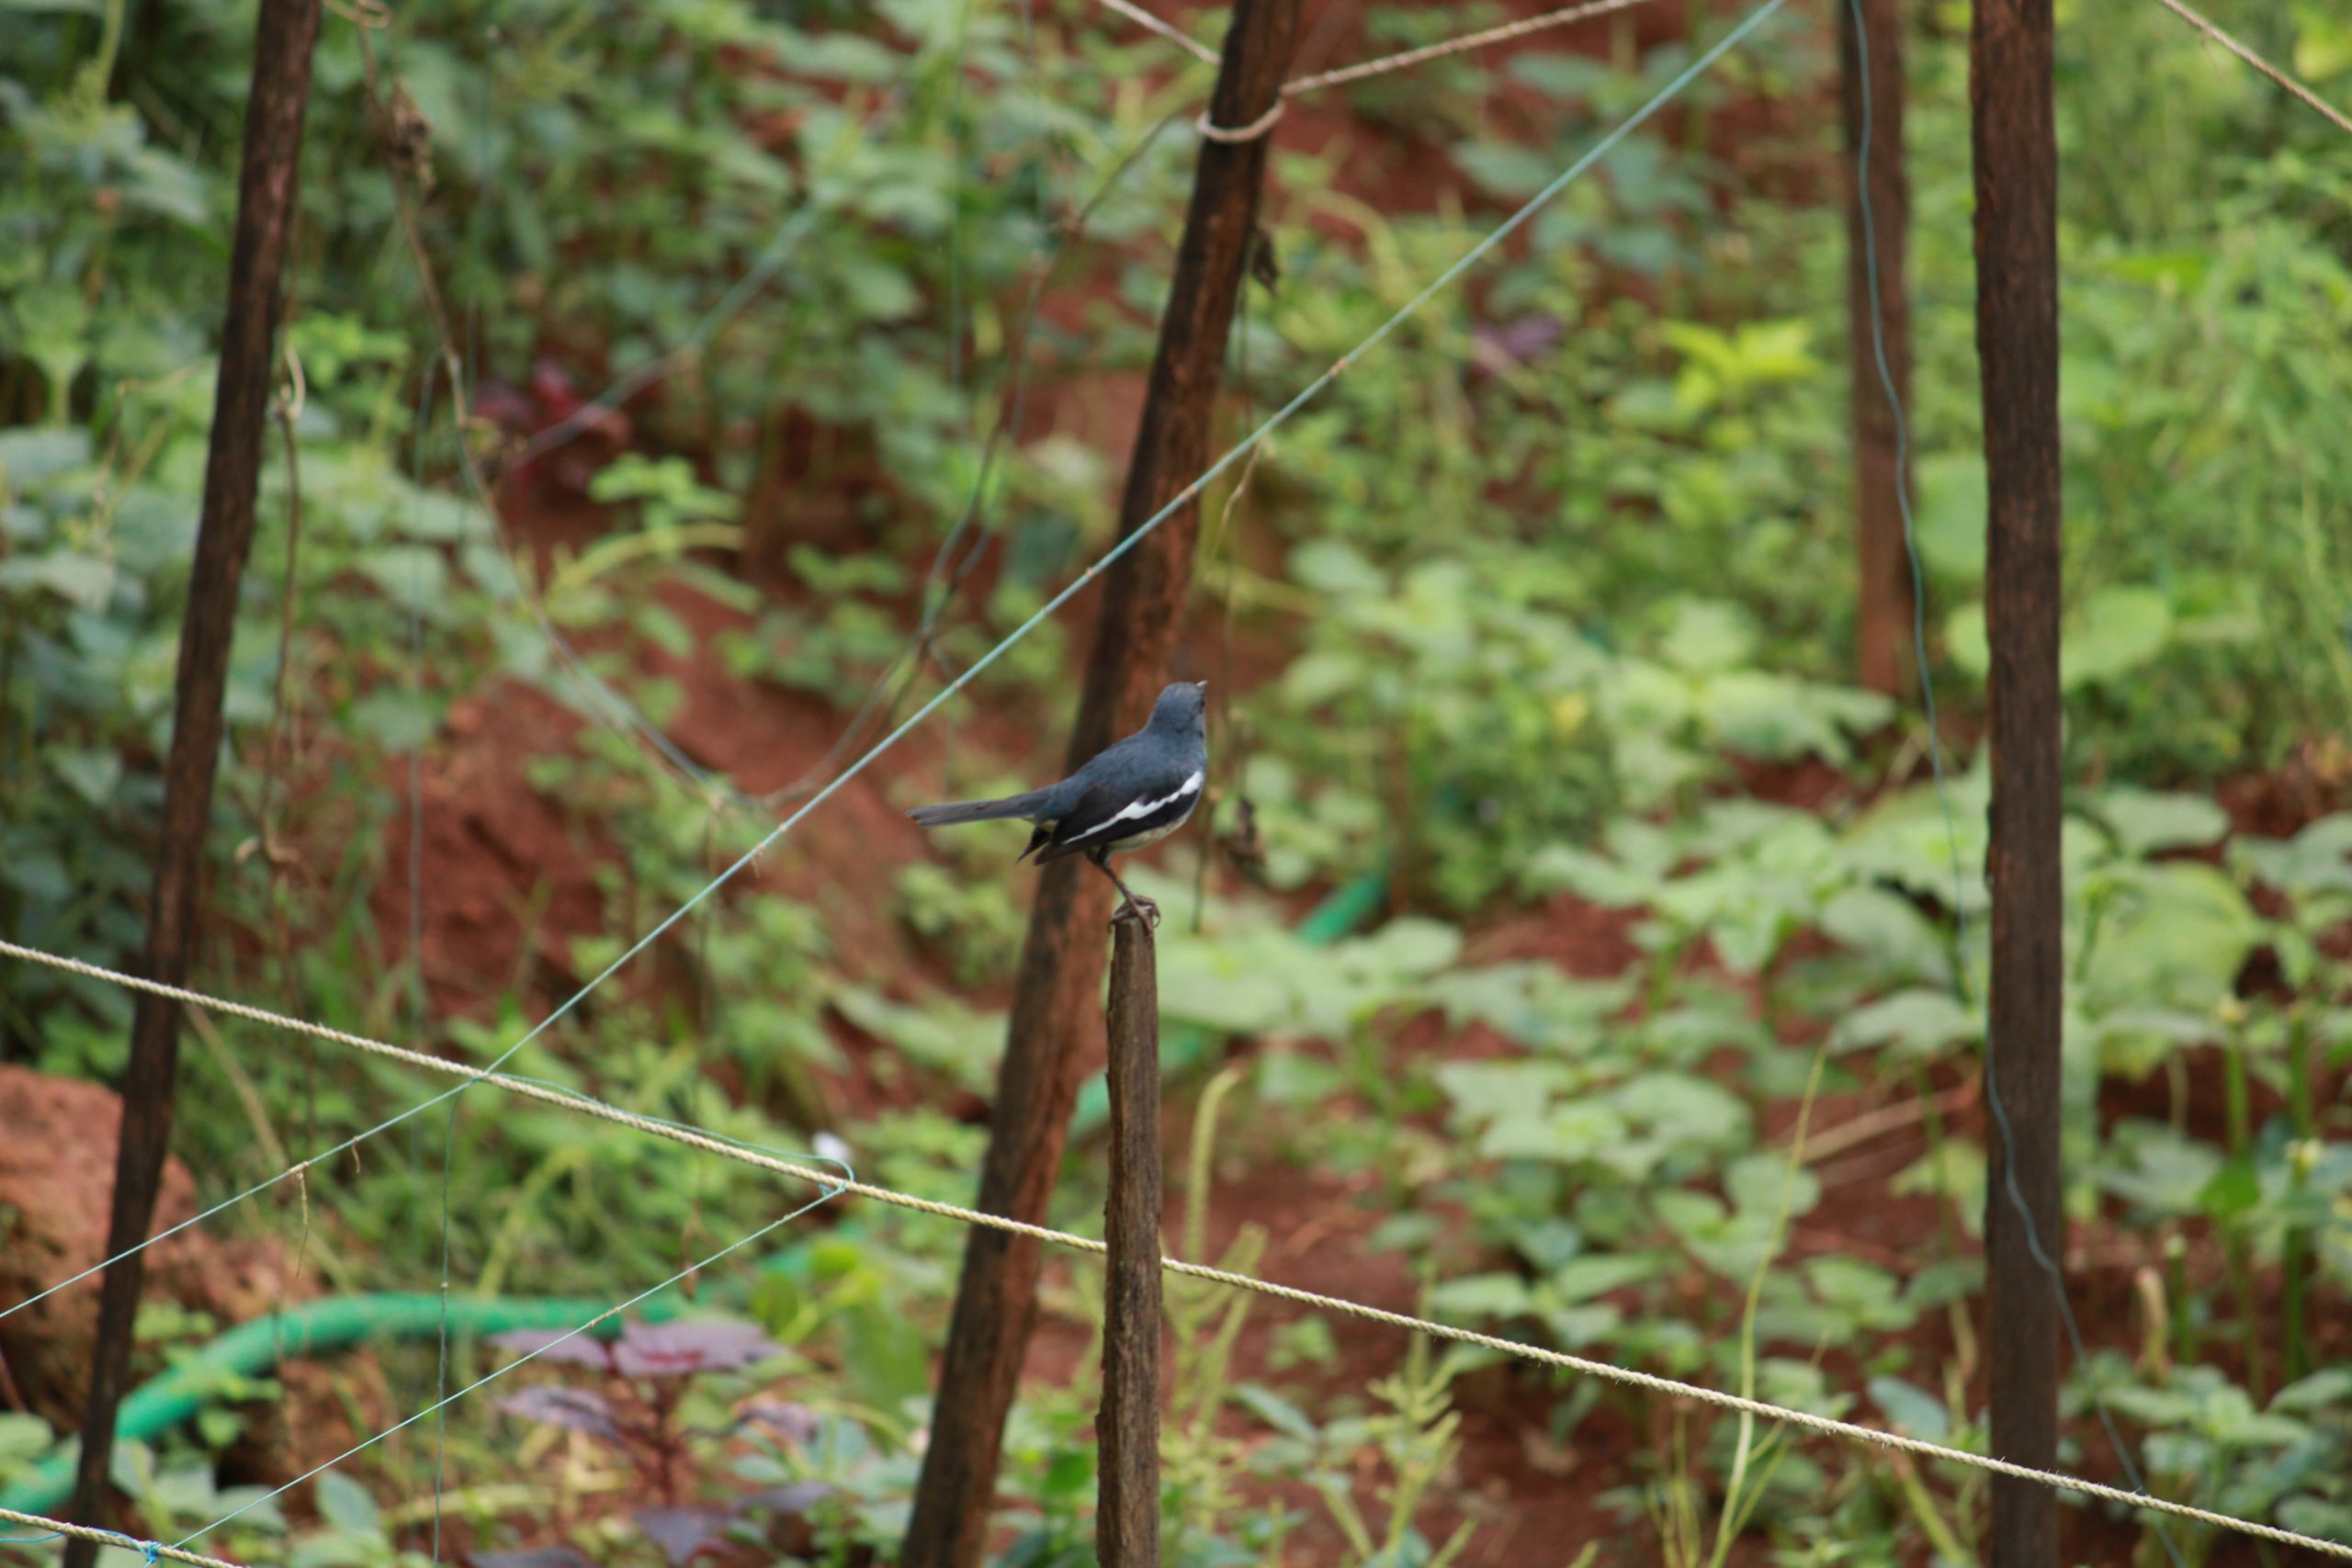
1871, 61
1126, 1522
1059, 986
283, 36
2017, 344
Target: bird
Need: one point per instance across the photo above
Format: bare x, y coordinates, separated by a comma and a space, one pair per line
1135, 792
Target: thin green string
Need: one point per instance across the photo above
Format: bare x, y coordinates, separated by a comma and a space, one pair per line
1444, 280
1935, 763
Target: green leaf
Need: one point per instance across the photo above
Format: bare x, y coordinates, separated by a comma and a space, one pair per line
1481, 1295
396, 719
1708, 634
1275, 1411
1920, 1022
1506, 169
1756, 1183
1581, 1279
2264, 1431
82, 579
1070, 1473
34, 455
2166, 1173
1950, 518
2146, 821
22, 1437
345, 1505
1482, 1091
2157, 1407
2118, 630
1293, 1077
413, 577
1411, 947
1964, 640
1911, 1409
1337, 569
2323, 1390
1595, 877
1561, 75
92, 775
2235, 1189
1684, 1109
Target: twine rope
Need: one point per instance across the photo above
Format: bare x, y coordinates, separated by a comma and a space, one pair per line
1403, 61
1232, 135
1462, 45
2334, 115
836, 1183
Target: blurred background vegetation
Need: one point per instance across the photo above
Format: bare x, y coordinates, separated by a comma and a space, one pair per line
1543, 615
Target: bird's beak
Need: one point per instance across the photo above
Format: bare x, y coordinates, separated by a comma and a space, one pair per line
1204, 685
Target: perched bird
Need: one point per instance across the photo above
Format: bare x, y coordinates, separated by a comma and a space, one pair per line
1137, 792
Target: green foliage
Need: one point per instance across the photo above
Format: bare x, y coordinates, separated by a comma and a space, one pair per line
1412, 1441
1547, 575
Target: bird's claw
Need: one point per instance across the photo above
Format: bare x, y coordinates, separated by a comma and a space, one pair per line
1137, 908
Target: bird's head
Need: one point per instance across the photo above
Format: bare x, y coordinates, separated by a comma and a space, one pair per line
1183, 710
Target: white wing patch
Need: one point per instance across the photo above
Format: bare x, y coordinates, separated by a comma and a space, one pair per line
1141, 809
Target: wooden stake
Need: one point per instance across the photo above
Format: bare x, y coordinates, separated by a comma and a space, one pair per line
283, 36
1127, 1524
1059, 983
2017, 342
1885, 605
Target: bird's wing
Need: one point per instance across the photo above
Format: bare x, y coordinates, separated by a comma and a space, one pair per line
1114, 810
1110, 761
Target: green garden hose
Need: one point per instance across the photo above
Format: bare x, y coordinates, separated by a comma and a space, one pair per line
333, 1322
338, 1322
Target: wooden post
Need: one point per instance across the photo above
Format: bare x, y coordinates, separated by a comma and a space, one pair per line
1126, 1523
283, 36
1871, 59
2017, 344
1059, 983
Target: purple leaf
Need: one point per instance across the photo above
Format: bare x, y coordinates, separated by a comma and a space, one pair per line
531, 1557
1494, 347
793, 1422
552, 1345
573, 1409
682, 1532
672, 1350
786, 1501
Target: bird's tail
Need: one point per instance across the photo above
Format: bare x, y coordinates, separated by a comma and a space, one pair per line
1023, 805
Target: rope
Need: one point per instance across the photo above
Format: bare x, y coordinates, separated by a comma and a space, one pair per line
529, 1088
2334, 115
611, 705
832, 1189
1174, 35
1485, 39
1181, 499
1993, 1101
1230, 135
149, 1549
839, 1185
835, 1185
1461, 45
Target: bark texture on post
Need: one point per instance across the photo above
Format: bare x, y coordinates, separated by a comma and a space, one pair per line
1127, 1431
1060, 978
2017, 342
284, 36
1885, 606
